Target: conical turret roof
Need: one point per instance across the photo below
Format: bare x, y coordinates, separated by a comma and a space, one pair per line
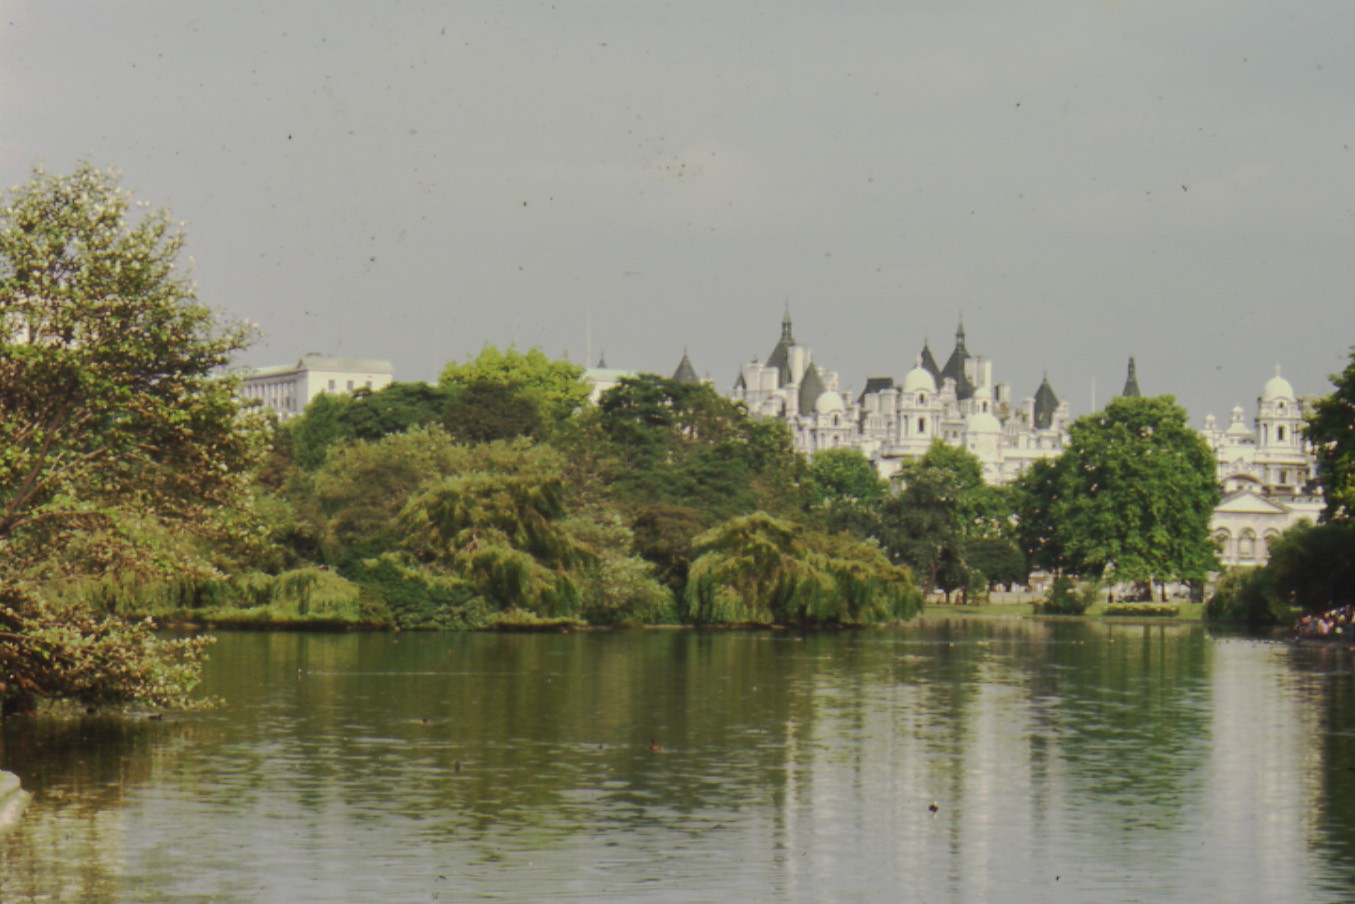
955, 367
1046, 404
685, 373
811, 387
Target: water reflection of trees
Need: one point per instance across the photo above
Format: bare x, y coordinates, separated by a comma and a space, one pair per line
473, 747
79, 770
1326, 683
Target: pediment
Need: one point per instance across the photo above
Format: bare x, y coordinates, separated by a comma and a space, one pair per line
1245, 502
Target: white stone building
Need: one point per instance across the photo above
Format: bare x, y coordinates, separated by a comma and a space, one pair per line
1267, 472
1266, 469
894, 423
287, 388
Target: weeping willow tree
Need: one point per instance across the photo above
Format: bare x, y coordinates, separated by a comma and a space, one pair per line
756, 569
502, 533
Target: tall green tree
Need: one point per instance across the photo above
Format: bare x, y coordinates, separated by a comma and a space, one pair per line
113, 414
1331, 430
508, 393
844, 474
1131, 498
942, 507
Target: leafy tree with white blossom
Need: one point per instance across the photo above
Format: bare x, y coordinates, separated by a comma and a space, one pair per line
115, 425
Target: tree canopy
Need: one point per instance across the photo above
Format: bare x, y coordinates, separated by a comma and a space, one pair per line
113, 417
1331, 429
1130, 499
764, 570
502, 394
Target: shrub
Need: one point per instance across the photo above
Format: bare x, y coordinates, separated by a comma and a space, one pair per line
1068, 597
414, 598
1247, 595
1146, 610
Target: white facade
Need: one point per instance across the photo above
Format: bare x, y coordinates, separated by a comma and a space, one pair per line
1267, 472
894, 423
286, 389
1266, 469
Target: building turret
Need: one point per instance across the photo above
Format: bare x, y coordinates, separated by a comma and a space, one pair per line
956, 370
811, 387
685, 373
1046, 405
1131, 383
780, 356
928, 361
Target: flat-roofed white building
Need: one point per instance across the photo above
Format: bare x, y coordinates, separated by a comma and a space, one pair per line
287, 388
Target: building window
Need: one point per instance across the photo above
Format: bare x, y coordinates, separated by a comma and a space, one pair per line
1246, 545
1284, 477
1279, 434
350, 385
1222, 539
922, 425
332, 386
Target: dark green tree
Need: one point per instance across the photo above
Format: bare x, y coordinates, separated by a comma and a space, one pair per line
1131, 498
502, 394
943, 505
1331, 430
681, 444
844, 474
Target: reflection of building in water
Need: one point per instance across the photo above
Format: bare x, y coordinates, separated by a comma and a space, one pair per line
1267, 472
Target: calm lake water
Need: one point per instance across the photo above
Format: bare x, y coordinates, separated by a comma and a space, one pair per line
1069, 761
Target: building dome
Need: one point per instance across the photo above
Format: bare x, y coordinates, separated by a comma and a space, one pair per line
919, 379
982, 423
829, 402
1277, 387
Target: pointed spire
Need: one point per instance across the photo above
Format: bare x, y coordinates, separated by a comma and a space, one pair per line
780, 356
1131, 382
1046, 404
955, 367
928, 362
685, 373
602, 359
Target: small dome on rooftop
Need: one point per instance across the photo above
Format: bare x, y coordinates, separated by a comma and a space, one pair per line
919, 379
829, 402
1277, 387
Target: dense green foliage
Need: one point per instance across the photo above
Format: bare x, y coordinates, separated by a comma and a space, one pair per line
1331, 430
955, 531
762, 570
1130, 500
114, 429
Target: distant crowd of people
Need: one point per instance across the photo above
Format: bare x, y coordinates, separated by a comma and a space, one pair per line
1332, 623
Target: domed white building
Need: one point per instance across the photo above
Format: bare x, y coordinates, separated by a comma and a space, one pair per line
1267, 472
892, 423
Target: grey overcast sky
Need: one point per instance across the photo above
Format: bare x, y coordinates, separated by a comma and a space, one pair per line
1081, 180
